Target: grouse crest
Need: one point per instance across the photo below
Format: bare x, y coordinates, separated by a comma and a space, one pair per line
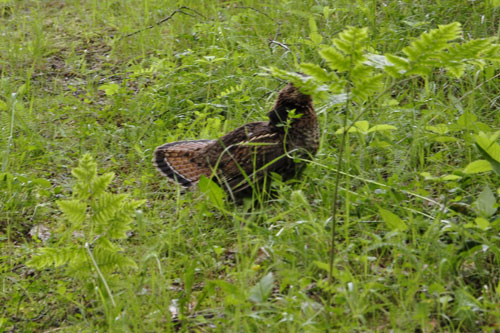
240, 160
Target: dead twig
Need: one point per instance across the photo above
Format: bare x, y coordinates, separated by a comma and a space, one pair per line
277, 31
284, 46
272, 41
183, 10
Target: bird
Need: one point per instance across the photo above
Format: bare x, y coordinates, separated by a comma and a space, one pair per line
241, 161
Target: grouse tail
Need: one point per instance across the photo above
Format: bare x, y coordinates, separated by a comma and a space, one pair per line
175, 160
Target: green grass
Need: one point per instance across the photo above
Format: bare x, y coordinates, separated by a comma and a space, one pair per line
72, 82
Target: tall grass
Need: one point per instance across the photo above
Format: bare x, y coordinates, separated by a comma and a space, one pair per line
72, 83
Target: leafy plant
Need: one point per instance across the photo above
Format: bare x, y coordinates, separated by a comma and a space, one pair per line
434, 49
490, 150
359, 75
92, 221
364, 128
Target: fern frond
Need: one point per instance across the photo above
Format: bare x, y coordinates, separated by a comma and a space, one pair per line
360, 72
292, 77
434, 50
316, 72
231, 90
49, 256
74, 210
456, 69
85, 174
421, 69
334, 59
100, 183
105, 206
469, 52
352, 42
104, 243
471, 49
364, 88
493, 53
109, 257
119, 226
101, 216
430, 43
79, 264
86, 170
399, 66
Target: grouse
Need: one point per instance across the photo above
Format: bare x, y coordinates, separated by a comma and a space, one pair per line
241, 160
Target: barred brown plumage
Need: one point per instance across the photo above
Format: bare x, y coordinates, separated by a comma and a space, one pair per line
241, 159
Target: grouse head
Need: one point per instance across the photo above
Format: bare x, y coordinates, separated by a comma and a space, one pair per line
289, 98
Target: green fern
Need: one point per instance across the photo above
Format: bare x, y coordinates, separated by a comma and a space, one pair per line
470, 52
317, 72
354, 73
352, 42
354, 76
364, 87
335, 60
348, 55
435, 49
94, 217
74, 210
430, 43
231, 90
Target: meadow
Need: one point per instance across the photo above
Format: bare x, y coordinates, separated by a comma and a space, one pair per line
394, 225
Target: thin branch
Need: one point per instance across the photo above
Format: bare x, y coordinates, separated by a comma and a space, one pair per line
181, 10
275, 40
272, 41
283, 45
277, 31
